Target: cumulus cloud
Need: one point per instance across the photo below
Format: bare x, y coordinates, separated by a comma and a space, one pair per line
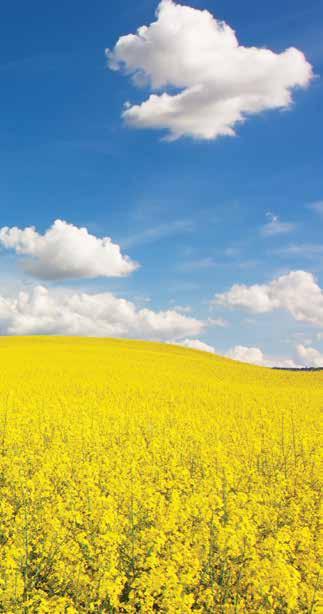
296, 292
310, 357
66, 252
196, 344
63, 312
275, 227
255, 356
202, 80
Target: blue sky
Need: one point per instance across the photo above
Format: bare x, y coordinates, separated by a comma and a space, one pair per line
192, 212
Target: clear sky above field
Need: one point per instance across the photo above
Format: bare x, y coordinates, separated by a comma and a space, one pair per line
189, 144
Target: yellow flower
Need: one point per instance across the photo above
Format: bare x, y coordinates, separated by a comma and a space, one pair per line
145, 477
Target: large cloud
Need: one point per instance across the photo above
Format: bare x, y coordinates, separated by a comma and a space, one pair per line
297, 292
66, 251
209, 81
60, 311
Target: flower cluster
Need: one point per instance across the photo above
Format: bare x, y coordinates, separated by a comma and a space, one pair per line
139, 477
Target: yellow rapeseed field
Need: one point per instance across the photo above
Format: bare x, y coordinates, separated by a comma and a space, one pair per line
141, 477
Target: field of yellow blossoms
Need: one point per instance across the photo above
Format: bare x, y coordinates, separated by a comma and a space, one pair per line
141, 477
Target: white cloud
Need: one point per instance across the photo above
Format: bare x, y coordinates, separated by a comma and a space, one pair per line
246, 354
255, 356
196, 344
310, 357
61, 311
275, 227
307, 356
66, 251
217, 82
297, 292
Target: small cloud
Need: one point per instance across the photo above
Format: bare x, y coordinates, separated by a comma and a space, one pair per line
275, 227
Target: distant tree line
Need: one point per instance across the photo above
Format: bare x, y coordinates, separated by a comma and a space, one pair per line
298, 368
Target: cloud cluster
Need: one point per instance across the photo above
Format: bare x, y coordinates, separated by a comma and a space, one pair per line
305, 356
66, 252
203, 81
63, 312
296, 292
41, 311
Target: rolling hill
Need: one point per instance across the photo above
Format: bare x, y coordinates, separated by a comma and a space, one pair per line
139, 476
